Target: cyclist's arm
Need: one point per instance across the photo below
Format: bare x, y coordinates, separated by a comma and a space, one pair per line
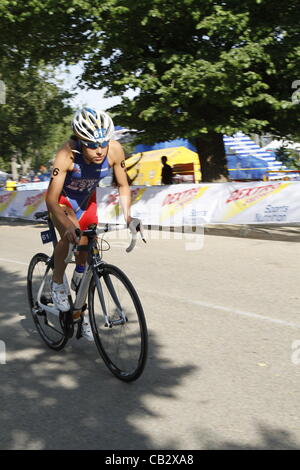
62, 163
121, 178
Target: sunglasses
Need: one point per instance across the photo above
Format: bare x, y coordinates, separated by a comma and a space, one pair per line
94, 145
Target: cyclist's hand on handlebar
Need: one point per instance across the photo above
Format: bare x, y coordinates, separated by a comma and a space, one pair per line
135, 226
72, 234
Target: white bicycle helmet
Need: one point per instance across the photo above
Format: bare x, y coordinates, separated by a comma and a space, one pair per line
93, 125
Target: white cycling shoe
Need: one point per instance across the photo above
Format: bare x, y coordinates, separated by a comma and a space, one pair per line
86, 329
60, 297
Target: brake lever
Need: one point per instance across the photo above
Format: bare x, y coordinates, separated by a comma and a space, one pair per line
137, 229
141, 233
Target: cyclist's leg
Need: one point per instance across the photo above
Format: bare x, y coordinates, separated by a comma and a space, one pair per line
81, 219
62, 247
85, 219
89, 215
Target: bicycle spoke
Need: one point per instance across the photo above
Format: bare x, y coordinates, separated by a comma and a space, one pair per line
123, 343
48, 325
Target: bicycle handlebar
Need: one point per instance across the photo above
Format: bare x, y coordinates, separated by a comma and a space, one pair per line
135, 227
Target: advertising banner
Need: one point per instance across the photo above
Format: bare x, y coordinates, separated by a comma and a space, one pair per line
6, 200
22, 204
174, 205
258, 203
197, 204
181, 204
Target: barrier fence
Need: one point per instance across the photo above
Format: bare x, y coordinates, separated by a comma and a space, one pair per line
275, 202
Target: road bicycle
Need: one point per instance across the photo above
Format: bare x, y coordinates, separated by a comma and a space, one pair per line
115, 311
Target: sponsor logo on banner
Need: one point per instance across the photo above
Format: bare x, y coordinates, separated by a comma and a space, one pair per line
32, 203
272, 214
6, 199
243, 198
114, 200
175, 202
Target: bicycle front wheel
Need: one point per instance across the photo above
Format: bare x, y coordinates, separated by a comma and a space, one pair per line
123, 340
49, 326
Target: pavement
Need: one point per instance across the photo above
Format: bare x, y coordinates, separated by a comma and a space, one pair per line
223, 314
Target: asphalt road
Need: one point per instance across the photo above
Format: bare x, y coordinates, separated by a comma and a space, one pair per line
222, 372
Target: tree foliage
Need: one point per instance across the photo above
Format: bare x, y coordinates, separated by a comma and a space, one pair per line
33, 116
289, 157
51, 30
201, 68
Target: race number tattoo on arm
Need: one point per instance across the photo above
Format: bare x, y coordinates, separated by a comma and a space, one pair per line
55, 171
123, 164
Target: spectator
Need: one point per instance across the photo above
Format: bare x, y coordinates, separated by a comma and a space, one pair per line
167, 172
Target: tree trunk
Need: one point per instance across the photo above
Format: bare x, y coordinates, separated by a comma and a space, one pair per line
37, 162
25, 165
14, 168
211, 151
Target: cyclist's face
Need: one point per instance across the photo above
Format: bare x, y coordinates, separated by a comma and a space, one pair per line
95, 155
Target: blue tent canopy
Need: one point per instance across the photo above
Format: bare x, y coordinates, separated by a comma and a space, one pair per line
245, 159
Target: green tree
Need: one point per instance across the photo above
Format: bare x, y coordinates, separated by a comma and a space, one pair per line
51, 30
201, 69
289, 157
59, 133
33, 118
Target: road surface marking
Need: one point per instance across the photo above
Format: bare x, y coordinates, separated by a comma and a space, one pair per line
205, 304
227, 309
13, 261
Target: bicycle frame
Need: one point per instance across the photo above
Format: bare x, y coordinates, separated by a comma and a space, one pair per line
93, 264
105, 294
80, 296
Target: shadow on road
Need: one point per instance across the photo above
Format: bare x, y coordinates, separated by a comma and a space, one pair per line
11, 222
68, 399
264, 232
270, 438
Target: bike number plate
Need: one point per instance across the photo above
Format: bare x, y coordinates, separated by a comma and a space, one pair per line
47, 236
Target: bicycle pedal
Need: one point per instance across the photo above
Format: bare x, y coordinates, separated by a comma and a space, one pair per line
46, 300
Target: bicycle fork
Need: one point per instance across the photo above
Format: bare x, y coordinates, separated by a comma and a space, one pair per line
108, 322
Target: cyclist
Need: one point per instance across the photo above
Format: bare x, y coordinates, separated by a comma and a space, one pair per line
79, 165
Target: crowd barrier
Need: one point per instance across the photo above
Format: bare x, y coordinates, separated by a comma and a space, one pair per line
182, 204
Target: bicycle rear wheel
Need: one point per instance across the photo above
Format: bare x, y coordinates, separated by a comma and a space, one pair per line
49, 326
123, 343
